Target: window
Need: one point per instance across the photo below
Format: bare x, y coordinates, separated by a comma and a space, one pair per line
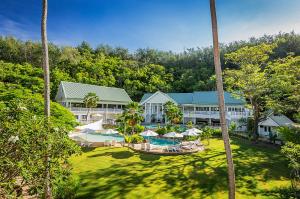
84, 117
202, 108
214, 108
266, 129
77, 117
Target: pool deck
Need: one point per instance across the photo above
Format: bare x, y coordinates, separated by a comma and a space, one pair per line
163, 152
154, 149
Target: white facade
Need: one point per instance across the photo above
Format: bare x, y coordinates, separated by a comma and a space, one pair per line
197, 113
270, 124
112, 101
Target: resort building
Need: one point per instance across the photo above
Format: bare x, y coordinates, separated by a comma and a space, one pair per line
271, 123
198, 107
112, 101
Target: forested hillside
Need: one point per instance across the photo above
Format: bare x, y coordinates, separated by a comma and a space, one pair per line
145, 70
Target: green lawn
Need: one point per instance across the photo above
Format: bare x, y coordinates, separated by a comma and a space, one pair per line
122, 173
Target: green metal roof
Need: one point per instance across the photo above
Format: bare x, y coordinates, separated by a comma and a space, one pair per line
73, 90
200, 98
281, 120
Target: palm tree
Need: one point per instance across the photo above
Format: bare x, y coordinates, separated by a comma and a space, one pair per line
231, 175
47, 188
133, 115
90, 101
173, 112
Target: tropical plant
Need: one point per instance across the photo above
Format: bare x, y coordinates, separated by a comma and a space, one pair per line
131, 118
23, 157
292, 153
232, 127
133, 139
189, 124
173, 113
90, 101
290, 133
207, 133
218, 71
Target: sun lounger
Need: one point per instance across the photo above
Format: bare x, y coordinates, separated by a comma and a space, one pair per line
106, 143
148, 147
143, 147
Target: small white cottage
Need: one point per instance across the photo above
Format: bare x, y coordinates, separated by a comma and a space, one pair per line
271, 122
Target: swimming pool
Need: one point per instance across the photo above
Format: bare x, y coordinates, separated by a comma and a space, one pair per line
96, 137
161, 141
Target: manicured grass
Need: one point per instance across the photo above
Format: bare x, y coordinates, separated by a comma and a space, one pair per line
121, 173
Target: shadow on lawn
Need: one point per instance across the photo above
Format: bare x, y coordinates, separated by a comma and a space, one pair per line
184, 176
256, 163
114, 154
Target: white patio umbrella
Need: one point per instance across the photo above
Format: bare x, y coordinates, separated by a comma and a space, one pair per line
111, 131
190, 133
173, 135
195, 130
148, 133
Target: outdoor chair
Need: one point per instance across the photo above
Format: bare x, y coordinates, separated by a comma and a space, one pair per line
106, 143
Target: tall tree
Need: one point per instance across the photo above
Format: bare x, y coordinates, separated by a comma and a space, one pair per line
45, 56
249, 81
231, 175
90, 101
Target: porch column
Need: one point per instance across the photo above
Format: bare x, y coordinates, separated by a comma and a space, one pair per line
150, 107
183, 114
194, 118
157, 111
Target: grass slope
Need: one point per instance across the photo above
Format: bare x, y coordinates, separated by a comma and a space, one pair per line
122, 173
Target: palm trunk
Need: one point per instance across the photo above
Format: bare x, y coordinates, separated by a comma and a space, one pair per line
47, 187
231, 175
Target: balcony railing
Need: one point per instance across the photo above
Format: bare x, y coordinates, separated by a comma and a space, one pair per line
211, 114
98, 110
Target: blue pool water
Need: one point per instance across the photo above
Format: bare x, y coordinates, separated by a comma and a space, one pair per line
96, 137
161, 141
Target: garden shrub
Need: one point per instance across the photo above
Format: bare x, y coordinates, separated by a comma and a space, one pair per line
127, 138
190, 138
189, 124
67, 188
134, 139
217, 132
161, 131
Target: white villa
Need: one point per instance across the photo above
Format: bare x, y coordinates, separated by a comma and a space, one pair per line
112, 101
271, 122
198, 107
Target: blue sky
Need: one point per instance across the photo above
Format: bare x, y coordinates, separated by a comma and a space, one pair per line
161, 24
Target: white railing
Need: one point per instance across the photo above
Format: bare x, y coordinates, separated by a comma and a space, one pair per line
214, 114
99, 110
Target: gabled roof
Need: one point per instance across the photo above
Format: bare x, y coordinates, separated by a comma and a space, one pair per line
73, 90
281, 120
200, 98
